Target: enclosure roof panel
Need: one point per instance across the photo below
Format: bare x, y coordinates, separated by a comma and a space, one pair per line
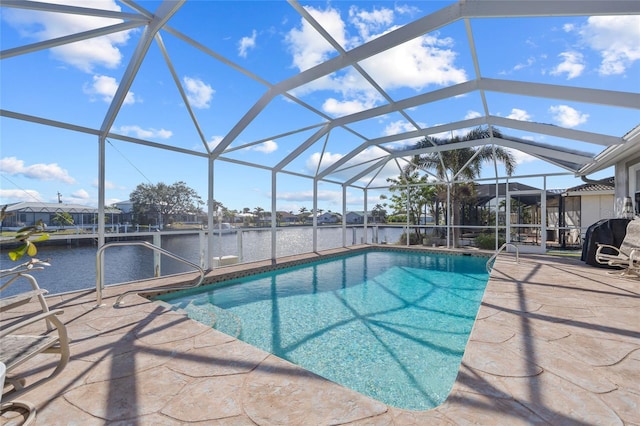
352, 87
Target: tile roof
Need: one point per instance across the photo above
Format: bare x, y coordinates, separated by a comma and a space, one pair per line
607, 184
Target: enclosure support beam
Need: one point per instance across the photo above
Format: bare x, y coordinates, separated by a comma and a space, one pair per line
274, 215
507, 211
344, 216
101, 188
449, 224
366, 218
314, 209
210, 207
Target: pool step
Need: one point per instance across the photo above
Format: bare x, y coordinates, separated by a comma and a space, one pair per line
218, 318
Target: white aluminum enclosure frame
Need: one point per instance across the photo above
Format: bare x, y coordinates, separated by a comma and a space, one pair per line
158, 22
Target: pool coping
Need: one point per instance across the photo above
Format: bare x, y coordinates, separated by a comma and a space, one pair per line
555, 342
231, 272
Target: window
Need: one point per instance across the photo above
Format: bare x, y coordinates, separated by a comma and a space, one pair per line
634, 186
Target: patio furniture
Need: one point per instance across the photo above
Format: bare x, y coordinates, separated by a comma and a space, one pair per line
627, 256
606, 231
20, 271
17, 348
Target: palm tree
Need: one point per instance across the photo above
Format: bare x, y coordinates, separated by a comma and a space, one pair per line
258, 212
462, 164
303, 214
378, 212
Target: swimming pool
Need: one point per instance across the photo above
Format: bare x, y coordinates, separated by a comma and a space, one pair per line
391, 325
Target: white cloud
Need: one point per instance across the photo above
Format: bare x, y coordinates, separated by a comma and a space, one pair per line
328, 200
15, 195
84, 55
530, 61
339, 108
247, 43
521, 157
266, 147
365, 158
111, 201
427, 60
323, 195
106, 87
472, 114
327, 159
307, 46
572, 65
366, 21
417, 63
107, 184
198, 92
567, 116
141, 133
80, 194
397, 127
214, 141
616, 39
519, 114
44, 172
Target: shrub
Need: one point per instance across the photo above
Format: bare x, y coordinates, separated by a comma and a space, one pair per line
488, 241
413, 239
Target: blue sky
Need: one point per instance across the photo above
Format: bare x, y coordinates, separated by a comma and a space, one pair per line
75, 84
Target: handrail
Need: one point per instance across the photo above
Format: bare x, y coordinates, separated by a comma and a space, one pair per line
100, 270
502, 247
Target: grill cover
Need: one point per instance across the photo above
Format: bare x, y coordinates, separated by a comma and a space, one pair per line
605, 231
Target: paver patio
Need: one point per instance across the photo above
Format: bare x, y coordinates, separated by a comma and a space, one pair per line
555, 342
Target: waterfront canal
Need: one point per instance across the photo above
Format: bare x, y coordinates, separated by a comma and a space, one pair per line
73, 266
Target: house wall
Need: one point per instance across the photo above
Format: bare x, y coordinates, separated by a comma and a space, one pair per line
354, 218
633, 189
328, 218
573, 212
596, 207
628, 180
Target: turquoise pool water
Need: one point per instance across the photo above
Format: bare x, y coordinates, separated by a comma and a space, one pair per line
390, 325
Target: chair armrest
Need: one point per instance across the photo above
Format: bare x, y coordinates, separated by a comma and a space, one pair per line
51, 316
7, 303
601, 246
599, 252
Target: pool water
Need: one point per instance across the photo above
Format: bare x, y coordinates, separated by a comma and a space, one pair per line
390, 325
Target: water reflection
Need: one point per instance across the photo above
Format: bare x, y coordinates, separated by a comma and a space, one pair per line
74, 267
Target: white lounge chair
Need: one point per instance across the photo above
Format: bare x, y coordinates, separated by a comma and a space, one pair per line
21, 271
16, 349
627, 256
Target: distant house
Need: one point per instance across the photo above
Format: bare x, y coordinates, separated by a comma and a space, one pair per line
287, 217
585, 204
357, 217
29, 213
569, 211
126, 207
129, 216
486, 199
329, 217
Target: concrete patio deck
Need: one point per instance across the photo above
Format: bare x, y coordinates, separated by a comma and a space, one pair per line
555, 342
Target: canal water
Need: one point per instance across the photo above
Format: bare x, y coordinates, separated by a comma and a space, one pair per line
74, 267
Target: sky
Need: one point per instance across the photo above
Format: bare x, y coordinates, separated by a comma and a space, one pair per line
267, 42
